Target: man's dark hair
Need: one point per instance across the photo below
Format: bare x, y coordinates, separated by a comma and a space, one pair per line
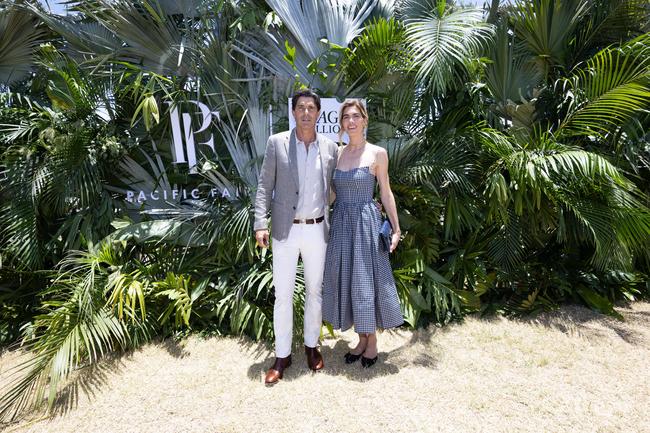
307, 93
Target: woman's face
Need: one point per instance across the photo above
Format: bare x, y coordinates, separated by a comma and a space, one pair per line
352, 121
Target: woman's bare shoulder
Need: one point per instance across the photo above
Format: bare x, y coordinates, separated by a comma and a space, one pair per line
377, 151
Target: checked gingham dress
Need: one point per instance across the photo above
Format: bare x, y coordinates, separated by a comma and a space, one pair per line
358, 285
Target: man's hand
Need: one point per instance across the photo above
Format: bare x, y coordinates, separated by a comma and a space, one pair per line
262, 238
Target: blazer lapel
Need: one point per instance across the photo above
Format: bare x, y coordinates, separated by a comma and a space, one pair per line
293, 158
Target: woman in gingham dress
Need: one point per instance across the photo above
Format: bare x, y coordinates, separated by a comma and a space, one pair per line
358, 285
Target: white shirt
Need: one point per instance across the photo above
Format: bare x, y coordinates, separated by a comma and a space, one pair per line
311, 201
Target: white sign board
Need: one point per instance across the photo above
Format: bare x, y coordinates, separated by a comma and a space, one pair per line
328, 120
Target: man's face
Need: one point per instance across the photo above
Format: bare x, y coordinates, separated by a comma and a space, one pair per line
306, 113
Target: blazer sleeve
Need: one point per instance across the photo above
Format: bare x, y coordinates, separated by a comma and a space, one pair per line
334, 148
265, 186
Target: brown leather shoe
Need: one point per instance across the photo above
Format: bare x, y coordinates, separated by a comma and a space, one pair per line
276, 372
314, 358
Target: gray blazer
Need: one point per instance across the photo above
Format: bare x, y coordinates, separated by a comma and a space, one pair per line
278, 185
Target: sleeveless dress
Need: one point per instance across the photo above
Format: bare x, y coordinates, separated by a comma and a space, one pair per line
358, 284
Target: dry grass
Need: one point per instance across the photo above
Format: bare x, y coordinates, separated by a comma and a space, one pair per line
567, 371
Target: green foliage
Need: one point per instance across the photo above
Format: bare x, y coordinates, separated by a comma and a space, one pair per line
20, 35
548, 28
442, 40
55, 167
610, 90
74, 326
519, 157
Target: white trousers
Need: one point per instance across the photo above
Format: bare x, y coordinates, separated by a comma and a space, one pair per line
308, 242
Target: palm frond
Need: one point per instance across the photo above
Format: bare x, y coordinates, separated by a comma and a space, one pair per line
383, 9
597, 220
75, 328
547, 27
170, 232
182, 292
376, 52
21, 239
246, 153
20, 36
34, 118
507, 247
237, 90
148, 34
311, 28
609, 22
613, 87
149, 177
311, 20
509, 77
245, 310
578, 195
442, 41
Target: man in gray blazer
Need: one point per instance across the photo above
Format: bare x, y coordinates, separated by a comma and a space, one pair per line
294, 185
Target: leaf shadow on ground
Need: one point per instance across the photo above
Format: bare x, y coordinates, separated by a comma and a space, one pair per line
87, 382
414, 349
173, 347
585, 323
255, 348
89, 379
333, 366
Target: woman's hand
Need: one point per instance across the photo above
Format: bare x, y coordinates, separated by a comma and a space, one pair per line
394, 240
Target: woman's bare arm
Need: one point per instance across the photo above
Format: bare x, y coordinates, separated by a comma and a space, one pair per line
386, 194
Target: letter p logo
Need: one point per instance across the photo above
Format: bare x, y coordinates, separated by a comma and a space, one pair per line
183, 139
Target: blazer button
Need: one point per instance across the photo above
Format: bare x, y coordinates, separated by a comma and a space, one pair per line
296, 192
294, 208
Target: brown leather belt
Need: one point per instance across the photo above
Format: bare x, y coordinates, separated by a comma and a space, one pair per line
310, 221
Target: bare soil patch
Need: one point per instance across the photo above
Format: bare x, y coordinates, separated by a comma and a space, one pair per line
567, 371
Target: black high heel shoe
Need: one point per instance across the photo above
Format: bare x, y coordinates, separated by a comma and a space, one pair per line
350, 358
368, 362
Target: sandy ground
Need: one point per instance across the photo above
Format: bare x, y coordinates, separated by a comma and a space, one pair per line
567, 371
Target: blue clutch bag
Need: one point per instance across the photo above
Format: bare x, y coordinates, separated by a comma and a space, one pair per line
385, 233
